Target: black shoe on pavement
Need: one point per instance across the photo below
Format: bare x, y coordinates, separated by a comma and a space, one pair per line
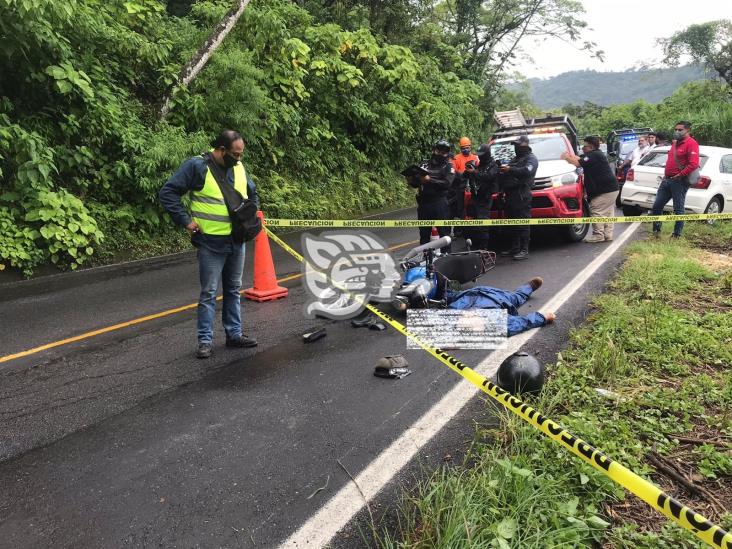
509, 253
523, 254
204, 350
241, 341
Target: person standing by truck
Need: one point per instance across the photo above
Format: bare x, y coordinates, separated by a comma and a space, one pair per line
464, 162
436, 179
600, 184
483, 183
516, 180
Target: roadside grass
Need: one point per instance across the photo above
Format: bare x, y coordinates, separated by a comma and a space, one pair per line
120, 246
647, 378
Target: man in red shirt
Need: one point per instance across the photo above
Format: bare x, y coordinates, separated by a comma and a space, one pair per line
683, 159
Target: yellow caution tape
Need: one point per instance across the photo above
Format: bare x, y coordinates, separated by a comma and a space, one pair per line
682, 515
391, 223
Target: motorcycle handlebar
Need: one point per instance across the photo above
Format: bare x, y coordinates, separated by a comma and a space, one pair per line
439, 243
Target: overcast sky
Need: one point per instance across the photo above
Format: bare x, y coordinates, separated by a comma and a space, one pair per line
626, 30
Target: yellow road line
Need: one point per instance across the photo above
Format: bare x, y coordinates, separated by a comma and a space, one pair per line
133, 322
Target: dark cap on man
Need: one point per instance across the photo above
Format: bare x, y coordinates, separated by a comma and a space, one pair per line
485, 148
521, 141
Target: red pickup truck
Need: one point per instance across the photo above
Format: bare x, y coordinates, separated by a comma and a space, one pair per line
558, 187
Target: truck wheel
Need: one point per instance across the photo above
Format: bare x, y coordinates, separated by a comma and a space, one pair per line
578, 231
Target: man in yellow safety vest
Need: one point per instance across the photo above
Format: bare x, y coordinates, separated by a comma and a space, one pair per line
220, 256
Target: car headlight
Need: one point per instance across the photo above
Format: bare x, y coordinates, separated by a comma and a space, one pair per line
564, 179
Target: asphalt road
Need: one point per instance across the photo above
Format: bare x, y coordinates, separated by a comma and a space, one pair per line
124, 439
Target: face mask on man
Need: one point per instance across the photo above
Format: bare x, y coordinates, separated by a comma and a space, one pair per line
439, 157
229, 161
520, 151
465, 151
679, 134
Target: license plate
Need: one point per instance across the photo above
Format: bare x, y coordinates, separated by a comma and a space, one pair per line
650, 182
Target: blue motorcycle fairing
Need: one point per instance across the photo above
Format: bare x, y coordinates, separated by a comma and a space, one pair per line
416, 273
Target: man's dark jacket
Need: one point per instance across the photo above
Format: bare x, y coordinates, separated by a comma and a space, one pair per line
486, 180
519, 180
442, 175
599, 178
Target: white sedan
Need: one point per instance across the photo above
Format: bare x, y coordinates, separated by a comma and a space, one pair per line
711, 194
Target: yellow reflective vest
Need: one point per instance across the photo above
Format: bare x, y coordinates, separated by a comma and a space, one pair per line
208, 208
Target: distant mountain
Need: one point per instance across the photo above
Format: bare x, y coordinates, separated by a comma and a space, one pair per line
610, 88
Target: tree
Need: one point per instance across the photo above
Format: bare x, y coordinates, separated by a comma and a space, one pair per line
586, 109
194, 66
708, 43
516, 95
488, 34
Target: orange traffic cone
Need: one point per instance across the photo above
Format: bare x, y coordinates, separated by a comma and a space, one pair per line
435, 235
265, 280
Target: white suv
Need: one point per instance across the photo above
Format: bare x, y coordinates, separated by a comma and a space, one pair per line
711, 194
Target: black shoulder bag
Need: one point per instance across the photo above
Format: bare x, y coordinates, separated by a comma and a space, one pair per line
245, 224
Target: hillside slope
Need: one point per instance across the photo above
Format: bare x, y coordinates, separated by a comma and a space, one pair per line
610, 88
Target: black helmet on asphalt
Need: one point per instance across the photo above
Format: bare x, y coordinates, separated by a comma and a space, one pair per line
521, 373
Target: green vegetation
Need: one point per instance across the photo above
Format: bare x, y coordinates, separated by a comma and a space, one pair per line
658, 346
608, 88
706, 104
333, 98
708, 43
328, 116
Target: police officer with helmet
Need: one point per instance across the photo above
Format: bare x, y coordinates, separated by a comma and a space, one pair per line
483, 183
433, 188
516, 180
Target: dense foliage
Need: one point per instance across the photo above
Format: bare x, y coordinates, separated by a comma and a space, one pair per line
329, 114
608, 88
332, 96
706, 104
708, 43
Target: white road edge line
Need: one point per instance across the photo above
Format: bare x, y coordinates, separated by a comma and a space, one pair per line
343, 506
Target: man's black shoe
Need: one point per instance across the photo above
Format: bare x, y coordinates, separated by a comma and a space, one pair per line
523, 254
241, 341
509, 253
204, 350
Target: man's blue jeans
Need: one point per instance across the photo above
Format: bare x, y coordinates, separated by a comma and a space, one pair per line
670, 189
486, 297
215, 268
